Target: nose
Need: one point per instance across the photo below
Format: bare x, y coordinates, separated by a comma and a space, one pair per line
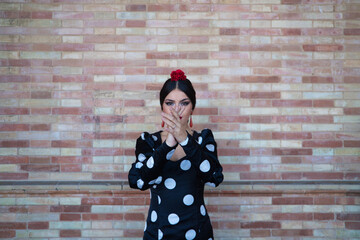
177, 107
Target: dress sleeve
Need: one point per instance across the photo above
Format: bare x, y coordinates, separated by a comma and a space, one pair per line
145, 171
202, 153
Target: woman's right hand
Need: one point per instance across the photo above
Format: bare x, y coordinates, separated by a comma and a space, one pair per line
170, 140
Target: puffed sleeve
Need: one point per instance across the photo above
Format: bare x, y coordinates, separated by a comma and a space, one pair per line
202, 153
145, 171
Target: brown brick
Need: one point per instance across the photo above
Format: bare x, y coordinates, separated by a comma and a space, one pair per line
259, 176
292, 201
292, 232
291, 176
75, 208
15, 143
352, 111
352, 225
323, 216
260, 225
259, 233
291, 151
38, 225
14, 176
322, 143
14, 127
291, 135
12, 225
133, 233
293, 216
292, 103
348, 216
323, 48
70, 233
317, 79
352, 31
134, 217
351, 143
40, 168
7, 234
323, 175
266, 95
324, 201
70, 217
108, 216
236, 167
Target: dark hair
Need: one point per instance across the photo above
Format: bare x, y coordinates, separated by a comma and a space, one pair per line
183, 85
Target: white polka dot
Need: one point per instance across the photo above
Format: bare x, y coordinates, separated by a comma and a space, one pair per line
210, 147
141, 157
188, 200
202, 210
139, 165
158, 180
173, 219
185, 165
205, 166
170, 154
153, 216
210, 184
170, 183
185, 142
145, 226
140, 183
199, 140
210, 239
191, 234
150, 162
155, 138
143, 136
159, 200
160, 234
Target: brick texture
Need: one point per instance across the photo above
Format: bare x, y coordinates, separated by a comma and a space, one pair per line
278, 82
235, 214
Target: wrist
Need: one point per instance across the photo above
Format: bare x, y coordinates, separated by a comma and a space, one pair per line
185, 142
170, 143
183, 139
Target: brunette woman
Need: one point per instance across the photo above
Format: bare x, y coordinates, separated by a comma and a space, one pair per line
175, 164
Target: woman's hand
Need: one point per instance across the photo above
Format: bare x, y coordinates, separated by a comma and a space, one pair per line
174, 126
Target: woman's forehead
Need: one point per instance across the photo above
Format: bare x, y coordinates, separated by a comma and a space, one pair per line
177, 94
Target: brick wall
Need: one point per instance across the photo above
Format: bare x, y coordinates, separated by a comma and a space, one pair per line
235, 215
277, 81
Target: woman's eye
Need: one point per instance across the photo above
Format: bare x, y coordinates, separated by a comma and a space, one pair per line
169, 103
185, 103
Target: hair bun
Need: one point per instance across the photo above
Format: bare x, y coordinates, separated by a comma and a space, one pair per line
177, 75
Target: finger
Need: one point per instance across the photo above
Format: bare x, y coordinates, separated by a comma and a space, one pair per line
165, 114
176, 115
181, 112
168, 116
169, 130
168, 122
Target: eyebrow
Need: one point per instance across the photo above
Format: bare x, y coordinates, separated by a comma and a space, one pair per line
185, 99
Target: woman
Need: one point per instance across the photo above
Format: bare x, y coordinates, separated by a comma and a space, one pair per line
175, 164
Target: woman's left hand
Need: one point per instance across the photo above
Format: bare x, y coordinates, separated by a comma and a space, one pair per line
174, 125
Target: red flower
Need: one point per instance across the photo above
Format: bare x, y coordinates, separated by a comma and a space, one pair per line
177, 75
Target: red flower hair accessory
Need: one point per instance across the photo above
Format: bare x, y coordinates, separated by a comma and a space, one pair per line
177, 75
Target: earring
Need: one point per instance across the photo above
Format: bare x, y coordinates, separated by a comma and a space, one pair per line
162, 124
191, 123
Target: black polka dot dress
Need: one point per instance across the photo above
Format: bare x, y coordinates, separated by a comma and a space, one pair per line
177, 209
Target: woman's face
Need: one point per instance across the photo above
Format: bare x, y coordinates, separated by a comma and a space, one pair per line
178, 101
